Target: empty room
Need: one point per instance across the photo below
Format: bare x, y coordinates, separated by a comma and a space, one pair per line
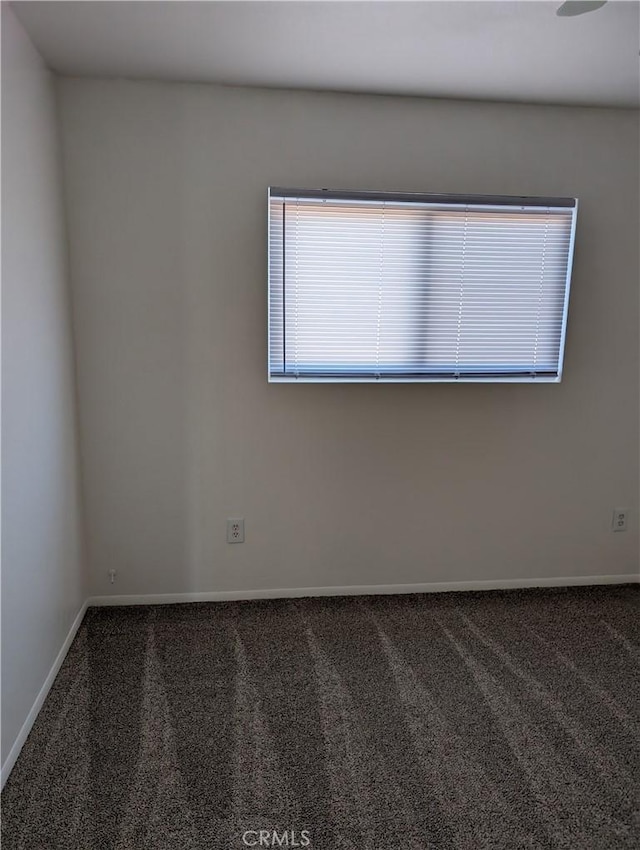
320, 425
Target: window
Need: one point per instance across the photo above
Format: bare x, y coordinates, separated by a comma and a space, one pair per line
401, 287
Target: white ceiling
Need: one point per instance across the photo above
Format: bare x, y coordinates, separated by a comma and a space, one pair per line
513, 50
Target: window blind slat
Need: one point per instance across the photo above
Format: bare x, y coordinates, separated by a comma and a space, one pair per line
416, 290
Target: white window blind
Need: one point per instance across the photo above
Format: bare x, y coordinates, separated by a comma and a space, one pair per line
381, 287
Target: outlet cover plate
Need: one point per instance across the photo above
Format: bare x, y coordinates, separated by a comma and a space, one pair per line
619, 521
235, 531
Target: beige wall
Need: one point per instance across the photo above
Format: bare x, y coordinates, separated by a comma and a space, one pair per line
340, 485
42, 570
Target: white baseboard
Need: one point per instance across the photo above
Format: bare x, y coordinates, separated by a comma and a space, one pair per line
357, 590
10, 760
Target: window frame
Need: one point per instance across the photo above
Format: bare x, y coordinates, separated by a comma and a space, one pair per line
458, 201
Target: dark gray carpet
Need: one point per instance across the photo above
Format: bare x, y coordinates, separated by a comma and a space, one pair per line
498, 720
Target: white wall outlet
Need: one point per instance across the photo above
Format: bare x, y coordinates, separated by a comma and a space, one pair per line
619, 521
235, 531
112, 575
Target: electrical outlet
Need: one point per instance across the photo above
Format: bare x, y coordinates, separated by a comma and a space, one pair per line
235, 531
619, 521
112, 575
